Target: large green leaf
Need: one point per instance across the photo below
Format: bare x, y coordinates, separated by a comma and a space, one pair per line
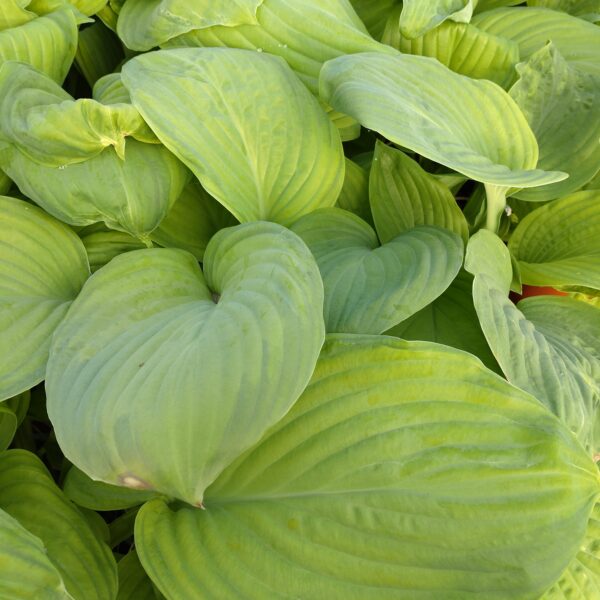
48, 43
420, 16
144, 24
559, 243
42, 268
8, 426
451, 320
562, 105
14, 13
585, 9
418, 103
194, 218
532, 28
370, 288
89, 7
463, 48
403, 196
262, 159
406, 470
26, 572
234, 348
548, 346
29, 495
134, 584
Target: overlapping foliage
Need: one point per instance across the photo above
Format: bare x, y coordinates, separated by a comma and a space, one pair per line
261, 326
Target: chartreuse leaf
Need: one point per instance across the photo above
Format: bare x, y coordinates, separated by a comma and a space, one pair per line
130, 192
144, 24
29, 495
14, 13
562, 105
134, 583
96, 495
581, 580
463, 48
584, 9
25, 569
48, 42
192, 221
375, 13
403, 196
103, 244
354, 195
150, 321
419, 104
532, 28
89, 7
405, 470
451, 320
370, 288
559, 243
262, 159
42, 268
420, 16
547, 346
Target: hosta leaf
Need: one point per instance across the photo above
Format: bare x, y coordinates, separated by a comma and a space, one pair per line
48, 126
370, 288
148, 322
305, 34
103, 244
547, 346
451, 320
581, 580
28, 494
48, 43
98, 53
532, 28
96, 495
420, 16
8, 426
562, 106
192, 221
25, 569
463, 48
262, 159
144, 24
584, 9
42, 268
405, 470
403, 196
14, 13
418, 103
559, 243
374, 14
89, 7
354, 196
134, 584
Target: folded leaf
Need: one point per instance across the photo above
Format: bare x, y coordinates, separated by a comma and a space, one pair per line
42, 268
403, 196
548, 346
559, 243
25, 569
235, 347
532, 28
103, 244
134, 584
370, 288
374, 14
29, 495
215, 110
584, 9
405, 470
14, 13
562, 106
420, 16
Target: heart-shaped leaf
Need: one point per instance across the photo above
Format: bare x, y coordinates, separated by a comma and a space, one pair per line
420, 16
29, 495
559, 245
405, 470
562, 105
153, 350
548, 346
403, 196
215, 110
370, 288
531, 28
43, 265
